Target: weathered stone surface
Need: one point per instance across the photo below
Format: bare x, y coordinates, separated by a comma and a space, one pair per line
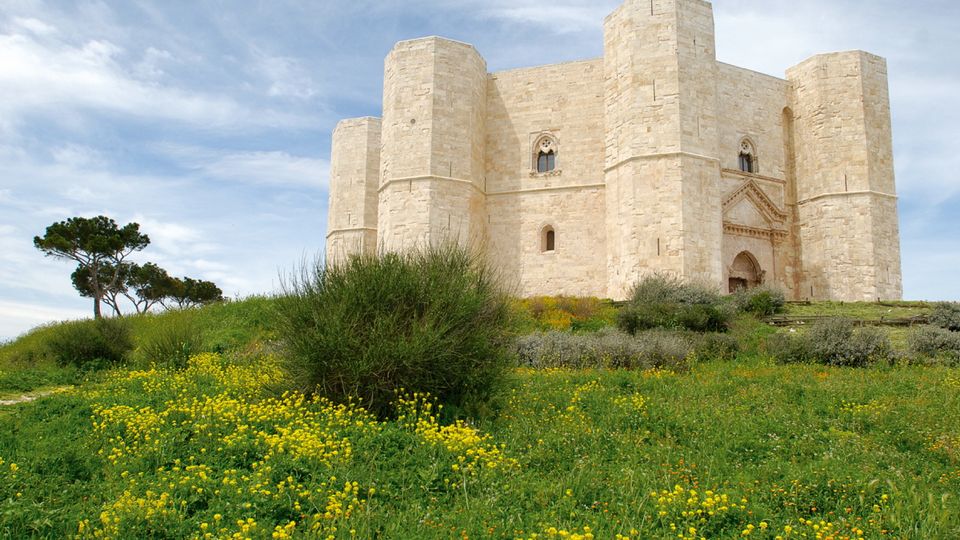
647, 143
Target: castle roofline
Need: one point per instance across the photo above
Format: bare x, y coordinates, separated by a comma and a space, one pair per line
821, 56
543, 66
752, 71
436, 38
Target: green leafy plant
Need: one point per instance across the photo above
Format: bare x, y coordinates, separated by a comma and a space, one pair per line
172, 339
429, 321
90, 343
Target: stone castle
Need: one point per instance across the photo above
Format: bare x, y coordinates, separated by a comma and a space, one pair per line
579, 178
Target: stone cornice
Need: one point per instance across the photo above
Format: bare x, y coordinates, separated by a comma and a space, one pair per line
658, 155
846, 193
426, 177
745, 175
350, 229
754, 232
549, 188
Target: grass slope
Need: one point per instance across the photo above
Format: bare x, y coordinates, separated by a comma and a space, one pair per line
723, 449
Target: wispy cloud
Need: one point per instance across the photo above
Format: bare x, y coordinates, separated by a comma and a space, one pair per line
276, 168
18, 317
49, 75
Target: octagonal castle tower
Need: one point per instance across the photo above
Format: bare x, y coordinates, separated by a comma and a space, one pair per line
581, 177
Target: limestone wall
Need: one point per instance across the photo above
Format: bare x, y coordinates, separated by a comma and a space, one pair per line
565, 102
662, 175
432, 157
647, 178
751, 104
354, 178
846, 209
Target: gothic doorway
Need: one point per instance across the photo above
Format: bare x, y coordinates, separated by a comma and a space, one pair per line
745, 272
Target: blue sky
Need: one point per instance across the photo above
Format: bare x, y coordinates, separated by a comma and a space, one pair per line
209, 122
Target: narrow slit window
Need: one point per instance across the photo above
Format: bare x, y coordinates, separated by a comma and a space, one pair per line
746, 163
548, 239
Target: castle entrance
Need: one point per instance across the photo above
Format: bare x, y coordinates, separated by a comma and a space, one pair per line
745, 272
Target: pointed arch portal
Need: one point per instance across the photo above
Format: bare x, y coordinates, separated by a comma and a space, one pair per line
745, 272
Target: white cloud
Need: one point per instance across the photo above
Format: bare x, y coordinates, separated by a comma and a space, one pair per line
285, 77
171, 241
34, 26
557, 17
150, 67
18, 317
275, 168
270, 168
53, 76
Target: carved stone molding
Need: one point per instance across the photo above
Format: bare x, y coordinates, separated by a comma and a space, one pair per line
751, 190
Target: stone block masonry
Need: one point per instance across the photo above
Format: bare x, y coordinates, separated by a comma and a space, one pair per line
580, 178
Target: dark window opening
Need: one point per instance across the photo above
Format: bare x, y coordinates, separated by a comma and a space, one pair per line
547, 239
546, 161
746, 163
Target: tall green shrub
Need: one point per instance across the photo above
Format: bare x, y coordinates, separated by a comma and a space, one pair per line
171, 339
662, 301
429, 321
90, 342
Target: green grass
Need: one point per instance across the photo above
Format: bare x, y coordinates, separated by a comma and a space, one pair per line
860, 310
570, 449
618, 452
26, 364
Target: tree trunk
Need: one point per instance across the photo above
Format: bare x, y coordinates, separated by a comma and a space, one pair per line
96, 307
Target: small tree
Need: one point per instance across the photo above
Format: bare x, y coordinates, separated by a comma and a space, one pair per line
83, 283
149, 285
189, 292
98, 246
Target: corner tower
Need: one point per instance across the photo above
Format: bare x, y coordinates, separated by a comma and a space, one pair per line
354, 177
846, 199
661, 169
432, 167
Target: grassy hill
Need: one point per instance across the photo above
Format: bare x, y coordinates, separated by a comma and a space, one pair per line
221, 448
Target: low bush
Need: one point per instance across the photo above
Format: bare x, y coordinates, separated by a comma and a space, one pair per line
431, 321
762, 301
607, 348
543, 313
946, 315
834, 342
661, 301
933, 342
172, 339
90, 342
715, 346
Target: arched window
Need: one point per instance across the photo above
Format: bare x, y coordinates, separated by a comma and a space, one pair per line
546, 161
548, 239
748, 156
545, 154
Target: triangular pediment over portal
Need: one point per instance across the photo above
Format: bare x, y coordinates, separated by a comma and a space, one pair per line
748, 205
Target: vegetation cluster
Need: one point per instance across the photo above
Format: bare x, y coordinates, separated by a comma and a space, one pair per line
407, 397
